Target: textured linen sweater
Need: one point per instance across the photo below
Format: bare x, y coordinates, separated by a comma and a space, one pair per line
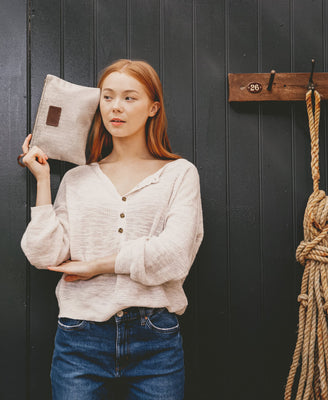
155, 229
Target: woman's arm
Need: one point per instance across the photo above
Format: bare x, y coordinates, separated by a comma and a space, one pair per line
46, 238
84, 270
154, 260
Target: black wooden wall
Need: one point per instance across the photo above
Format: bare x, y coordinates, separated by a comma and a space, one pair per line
254, 162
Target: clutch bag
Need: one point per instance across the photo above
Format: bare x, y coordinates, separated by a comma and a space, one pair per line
64, 118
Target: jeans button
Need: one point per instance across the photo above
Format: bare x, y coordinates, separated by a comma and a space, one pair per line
120, 314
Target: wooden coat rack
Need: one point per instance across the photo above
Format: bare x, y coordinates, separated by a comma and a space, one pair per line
276, 87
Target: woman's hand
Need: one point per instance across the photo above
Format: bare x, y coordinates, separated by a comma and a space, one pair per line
84, 270
35, 160
76, 270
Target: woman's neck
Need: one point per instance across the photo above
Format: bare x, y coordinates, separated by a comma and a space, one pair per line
129, 149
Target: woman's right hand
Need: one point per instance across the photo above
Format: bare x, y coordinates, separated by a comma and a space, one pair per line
35, 160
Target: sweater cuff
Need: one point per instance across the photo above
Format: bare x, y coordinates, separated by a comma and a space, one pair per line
35, 211
122, 264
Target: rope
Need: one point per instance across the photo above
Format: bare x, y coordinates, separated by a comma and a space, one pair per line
311, 350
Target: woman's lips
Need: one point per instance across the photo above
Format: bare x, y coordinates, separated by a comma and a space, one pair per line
117, 122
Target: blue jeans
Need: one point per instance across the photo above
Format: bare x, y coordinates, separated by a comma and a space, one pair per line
136, 354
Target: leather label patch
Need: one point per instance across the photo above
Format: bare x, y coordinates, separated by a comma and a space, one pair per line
53, 116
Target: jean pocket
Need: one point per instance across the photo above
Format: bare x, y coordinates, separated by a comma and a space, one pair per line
163, 322
70, 324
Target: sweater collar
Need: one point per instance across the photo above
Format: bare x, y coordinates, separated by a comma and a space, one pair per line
148, 180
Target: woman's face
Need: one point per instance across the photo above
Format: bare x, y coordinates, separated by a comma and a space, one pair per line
125, 105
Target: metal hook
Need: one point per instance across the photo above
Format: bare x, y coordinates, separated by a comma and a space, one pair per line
311, 83
273, 73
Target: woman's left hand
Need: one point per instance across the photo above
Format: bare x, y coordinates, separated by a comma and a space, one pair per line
76, 270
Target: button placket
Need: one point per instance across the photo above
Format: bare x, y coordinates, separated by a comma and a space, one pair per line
122, 217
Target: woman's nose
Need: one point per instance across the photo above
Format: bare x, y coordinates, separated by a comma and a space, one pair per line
116, 104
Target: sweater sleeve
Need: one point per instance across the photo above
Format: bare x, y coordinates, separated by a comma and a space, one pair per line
45, 241
154, 260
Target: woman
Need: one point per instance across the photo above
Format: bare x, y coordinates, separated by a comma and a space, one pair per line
124, 230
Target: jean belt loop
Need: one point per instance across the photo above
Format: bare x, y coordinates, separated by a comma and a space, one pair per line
142, 315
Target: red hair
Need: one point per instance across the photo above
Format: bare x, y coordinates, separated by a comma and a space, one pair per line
100, 140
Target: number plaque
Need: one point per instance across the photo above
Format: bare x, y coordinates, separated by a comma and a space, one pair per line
254, 87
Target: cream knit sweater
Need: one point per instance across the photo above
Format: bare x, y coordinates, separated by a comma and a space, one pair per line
155, 229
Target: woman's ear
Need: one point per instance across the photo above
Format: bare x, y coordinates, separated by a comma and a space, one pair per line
155, 107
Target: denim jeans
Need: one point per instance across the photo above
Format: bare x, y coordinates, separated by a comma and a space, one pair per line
136, 354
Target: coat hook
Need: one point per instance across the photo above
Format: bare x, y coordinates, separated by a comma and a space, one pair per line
273, 73
311, 83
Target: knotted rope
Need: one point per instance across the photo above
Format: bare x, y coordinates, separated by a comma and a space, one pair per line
312, 340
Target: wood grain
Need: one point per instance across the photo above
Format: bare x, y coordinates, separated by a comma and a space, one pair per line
286, 86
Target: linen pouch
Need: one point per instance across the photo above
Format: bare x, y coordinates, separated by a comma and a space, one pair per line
64, 118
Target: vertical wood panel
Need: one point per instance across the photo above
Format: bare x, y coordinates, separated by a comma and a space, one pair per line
211, 335
78, 42
244, 193
177, 74
279, 252
12, 200
145, 31
111, 32
277, 222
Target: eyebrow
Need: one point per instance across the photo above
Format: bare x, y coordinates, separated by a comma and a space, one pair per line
125, 91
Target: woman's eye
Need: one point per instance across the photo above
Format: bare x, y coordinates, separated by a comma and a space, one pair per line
107, 98
129, 98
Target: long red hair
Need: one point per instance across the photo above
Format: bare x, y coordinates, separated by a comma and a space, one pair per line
100, 140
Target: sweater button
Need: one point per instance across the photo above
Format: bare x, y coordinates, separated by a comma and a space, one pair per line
123, 198
120, 230
122, 215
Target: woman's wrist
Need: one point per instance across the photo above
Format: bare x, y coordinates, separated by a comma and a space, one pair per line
104, 265
43, 179
43, 195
